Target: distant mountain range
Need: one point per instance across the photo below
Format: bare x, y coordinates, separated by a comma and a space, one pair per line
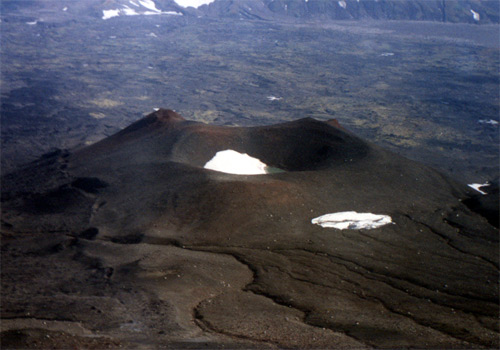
454, 11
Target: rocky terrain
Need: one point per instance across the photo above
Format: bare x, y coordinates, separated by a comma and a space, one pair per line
132, 243
428, 91
127, 228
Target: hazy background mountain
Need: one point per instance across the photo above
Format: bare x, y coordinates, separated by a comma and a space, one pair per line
421, 10
453, 11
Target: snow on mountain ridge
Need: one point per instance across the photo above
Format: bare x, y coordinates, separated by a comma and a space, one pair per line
193, 3
144, 7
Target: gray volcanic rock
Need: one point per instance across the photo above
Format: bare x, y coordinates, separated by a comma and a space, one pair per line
132, 242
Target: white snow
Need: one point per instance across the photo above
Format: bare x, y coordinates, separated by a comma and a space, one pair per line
172, 13
475, 15
274, 98
32, 23
149, 4
232, 162
193, 3
478, 186
387, 54
148, 13
491, 121
65, 9
134, 3
107, 14
129, 12
342, 4
352, 220
152, 35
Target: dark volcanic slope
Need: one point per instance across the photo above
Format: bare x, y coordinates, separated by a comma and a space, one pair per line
131, 242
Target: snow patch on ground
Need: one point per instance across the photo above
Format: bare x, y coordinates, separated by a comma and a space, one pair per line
32, 23
478, 186
274, 98
144, 7
351, 220
232, 162
387, 54
342, 4
65, 9
173, 13
149, 4
475, 15
107, 14
193, 3
491, 121
129, 12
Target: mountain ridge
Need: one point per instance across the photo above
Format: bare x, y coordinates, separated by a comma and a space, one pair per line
450, 11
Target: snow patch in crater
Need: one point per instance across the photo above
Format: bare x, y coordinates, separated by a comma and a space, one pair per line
232, 162
351, 220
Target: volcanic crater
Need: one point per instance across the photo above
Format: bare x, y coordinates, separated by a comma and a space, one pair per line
301, 145
155, 250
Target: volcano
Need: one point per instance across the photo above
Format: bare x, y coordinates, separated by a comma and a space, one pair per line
135, 242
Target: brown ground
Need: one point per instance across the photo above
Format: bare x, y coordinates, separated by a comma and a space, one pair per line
131, 243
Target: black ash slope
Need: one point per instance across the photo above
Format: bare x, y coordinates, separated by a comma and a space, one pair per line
131, 239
